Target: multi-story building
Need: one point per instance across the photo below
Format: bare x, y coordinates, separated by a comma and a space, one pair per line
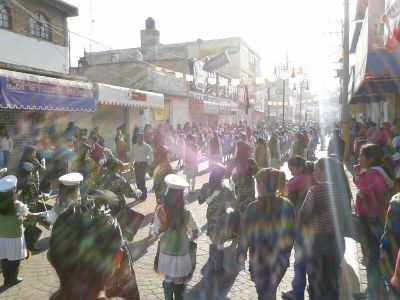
34, 34
36, 90
196, 101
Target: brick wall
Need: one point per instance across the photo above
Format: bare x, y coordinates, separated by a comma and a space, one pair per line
20, 20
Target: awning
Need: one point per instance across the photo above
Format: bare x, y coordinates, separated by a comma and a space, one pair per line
26, 91
379, 75
116, 95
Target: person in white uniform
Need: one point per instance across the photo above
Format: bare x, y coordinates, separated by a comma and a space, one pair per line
12, 241
177, 225
68, 194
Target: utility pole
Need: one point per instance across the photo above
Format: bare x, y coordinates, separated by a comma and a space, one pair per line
345, 86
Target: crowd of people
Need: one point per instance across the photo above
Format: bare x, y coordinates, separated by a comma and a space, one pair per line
249, 200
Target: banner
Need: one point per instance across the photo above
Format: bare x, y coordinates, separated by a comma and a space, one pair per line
160, 114
26, 91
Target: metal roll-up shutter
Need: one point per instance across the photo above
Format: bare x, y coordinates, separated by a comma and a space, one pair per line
20, 130
108, 118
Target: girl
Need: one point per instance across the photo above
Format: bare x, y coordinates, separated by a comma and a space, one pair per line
12, 241
373, 196
163, 168
275, 151
174, 221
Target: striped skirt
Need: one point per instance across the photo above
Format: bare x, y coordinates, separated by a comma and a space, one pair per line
174, 266
13, 248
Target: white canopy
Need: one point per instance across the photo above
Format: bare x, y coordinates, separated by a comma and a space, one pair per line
116, 95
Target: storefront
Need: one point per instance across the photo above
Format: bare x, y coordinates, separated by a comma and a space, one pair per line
31, 103
228, 113
119, 105
204, 113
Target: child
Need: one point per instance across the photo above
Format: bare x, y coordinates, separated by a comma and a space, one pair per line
12, 241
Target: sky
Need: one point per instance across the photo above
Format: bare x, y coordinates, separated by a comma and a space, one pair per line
273, 28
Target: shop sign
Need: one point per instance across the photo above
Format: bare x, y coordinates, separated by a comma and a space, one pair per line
196, 106
138, 96
160, 114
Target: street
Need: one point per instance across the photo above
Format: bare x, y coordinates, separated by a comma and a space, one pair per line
40, 279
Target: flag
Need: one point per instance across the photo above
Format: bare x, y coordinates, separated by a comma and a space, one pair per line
246, 99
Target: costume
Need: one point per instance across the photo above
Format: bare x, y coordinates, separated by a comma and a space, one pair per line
12, 241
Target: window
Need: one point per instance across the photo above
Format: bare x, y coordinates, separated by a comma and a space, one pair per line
40, 26
5, 16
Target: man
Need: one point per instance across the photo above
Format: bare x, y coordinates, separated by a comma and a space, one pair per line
336, 146
69, 132
142, 156
101, 139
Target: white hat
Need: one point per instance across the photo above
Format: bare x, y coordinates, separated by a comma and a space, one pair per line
8, 183
176, 182
71, 179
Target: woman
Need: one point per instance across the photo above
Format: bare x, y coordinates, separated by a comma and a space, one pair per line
191, 167
6, 144
373, 196
84, 274
175, 222
219, 199
268, 230
323, 216
162, 169
275, 151
12, 241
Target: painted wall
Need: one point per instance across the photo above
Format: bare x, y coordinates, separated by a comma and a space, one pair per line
26, 51
180, 111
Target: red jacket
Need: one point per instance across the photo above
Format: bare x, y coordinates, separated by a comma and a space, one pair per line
373, 193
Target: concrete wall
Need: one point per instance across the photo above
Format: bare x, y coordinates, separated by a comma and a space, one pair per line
179, 111
34, 53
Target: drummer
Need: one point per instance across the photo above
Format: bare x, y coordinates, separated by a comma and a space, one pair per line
68, 194
12, 241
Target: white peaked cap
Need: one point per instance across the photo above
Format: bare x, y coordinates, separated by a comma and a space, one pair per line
8, 183
71, 179
176, 182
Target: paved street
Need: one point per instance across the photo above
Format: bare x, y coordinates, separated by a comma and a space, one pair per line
40, 280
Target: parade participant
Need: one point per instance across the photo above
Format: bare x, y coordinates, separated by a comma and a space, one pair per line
323, 216
191, 167
162, 169
85, 165
114, 182
243, 176
268, 230
85, 250
372, 203
123, 282
220, 200
297, 190
12, 241
68, 194
275, 151
142, 157
261, 154
30, 155
6, 144
175, 222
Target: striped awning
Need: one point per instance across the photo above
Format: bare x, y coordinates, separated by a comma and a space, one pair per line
121, 96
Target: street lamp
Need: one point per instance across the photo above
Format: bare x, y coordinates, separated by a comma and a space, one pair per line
304, 83
281, 72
